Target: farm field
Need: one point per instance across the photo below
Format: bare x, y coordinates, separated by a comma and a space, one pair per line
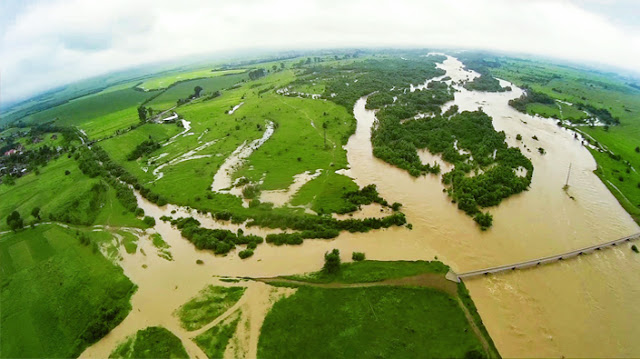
157, 83
58, 295
169, 97
98, 116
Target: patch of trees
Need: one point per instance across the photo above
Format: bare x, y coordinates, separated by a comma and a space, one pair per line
375, 75
220, 241
257, 73
245, 253
601, 113
467, 140
485, 82
144, 148
144, 113
196, 93
367, 195
323, 226
213, 95
15, 221
531, 96
284, 238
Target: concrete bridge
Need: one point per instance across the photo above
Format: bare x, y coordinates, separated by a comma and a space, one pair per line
540, 261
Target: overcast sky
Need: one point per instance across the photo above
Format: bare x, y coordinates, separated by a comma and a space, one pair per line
47, 43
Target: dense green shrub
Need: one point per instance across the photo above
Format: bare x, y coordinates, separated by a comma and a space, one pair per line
284, 238
142, 149
332, 262
485, 220
149, 221
358, 256
245, 253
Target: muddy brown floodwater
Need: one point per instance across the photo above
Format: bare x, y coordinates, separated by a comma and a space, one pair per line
583, 307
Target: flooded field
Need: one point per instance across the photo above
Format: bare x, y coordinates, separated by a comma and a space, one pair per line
580, 307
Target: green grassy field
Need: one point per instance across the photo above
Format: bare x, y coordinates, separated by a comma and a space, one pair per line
184, 89
98, 116
209, 304
215, 340
559, 111
274, 164
602, 91
297, 145
71, 198
377, 322
152, 343
324, 194
54, 290
165, 81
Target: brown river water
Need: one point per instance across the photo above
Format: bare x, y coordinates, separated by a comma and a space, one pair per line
583, 307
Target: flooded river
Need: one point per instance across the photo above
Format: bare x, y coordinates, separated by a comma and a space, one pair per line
580, 307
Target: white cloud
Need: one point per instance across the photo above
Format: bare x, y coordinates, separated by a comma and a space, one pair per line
55, 42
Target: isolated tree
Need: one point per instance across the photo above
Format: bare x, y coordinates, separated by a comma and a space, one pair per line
197, 90
282, 65
142, 113
149, 112
36, 212
14, 221
332, 261
638, 149
274, 68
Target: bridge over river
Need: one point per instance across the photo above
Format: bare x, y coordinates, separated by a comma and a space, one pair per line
540, 261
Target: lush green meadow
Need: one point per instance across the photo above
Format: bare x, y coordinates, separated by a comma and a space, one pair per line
377, 322
325, 193
157, 83
421, 318
58, 295
73, 198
